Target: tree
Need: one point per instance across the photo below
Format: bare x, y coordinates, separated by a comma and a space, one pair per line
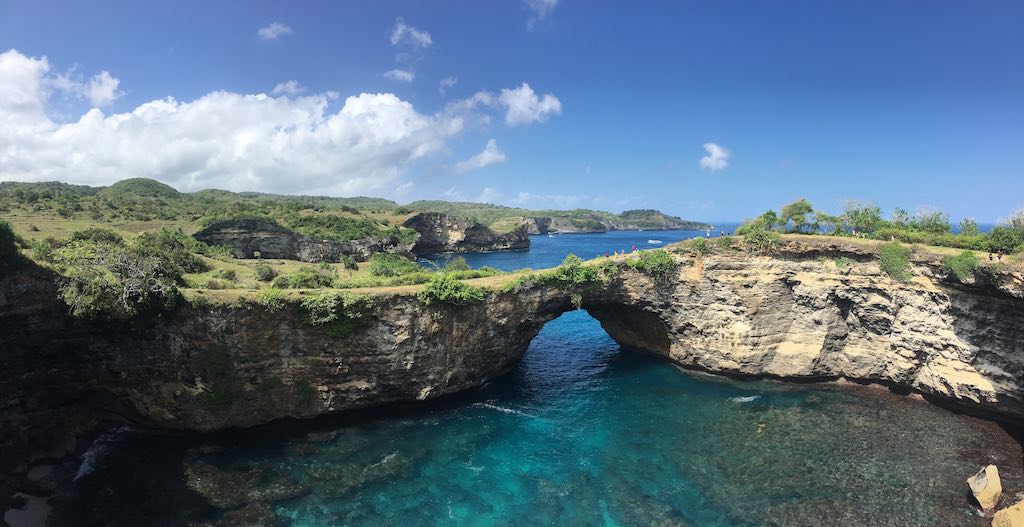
796, 212
902, 218
827, 222
862, 217
969, 227
1015, 220
932, 220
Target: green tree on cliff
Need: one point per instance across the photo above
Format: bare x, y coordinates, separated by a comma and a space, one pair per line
797, 213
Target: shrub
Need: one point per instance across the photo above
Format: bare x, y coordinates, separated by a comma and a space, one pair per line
760, 240
337, 312
724, 242
457, 263
103, 279
961, 265
214, 284
657, 262
304, 277
264, 272
445, 288
1006, 239
348, 262
98, 235
226, 274
701, 246
842, 262
10, 257
387, 264
174, 248
894, 259
271, 298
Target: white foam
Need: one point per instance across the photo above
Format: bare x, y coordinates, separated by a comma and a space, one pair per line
97, 449
504, 409
747, 399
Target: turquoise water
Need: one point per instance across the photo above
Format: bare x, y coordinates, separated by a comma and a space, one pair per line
580, 433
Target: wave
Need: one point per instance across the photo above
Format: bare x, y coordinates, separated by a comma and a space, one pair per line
98, 448
747, 399
504, 409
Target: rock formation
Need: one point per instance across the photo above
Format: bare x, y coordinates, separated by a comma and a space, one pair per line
441, 233
795, 315
246, 237
1010, 517
986, 487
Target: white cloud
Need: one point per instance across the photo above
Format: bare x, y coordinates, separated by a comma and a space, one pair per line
487, 195
274, 31
490, 155
222, 140
402, 33
717, 157
552, 201
102, 89
288, 88
539, 10
404, 188
524, 107
446, 83
400, 75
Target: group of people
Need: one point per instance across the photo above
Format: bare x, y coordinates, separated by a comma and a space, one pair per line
998, 256
623, 253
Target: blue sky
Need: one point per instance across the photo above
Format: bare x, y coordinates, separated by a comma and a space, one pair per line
912, 104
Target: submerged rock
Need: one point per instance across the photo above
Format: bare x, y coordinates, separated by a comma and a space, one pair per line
1010, 516
232, 490
253, 515
986, 487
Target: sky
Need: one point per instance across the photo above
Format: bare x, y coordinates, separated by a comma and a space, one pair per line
711, 110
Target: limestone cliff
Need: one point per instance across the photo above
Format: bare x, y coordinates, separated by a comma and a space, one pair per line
248, 236
441, 233
795, 315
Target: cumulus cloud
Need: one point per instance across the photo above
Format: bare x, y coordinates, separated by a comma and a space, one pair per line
400, 75
402, 33
102, 89
274, 31
446, 83
221, 140
288, 88
523, 106
490, 155
539, 10
300, 143
716, 159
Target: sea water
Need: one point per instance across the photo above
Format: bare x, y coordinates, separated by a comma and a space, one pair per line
580, 433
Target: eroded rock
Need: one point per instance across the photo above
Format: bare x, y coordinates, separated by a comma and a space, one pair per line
1010, 517
986, 487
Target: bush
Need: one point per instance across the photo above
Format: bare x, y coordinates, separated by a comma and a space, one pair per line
214, 284
117, 281
226, 274
1005, 239
98, 235
304, 277
894, 259
272, 299
842, 262
446, 289
657, 262
339, 313
961, 265
701, 246
348, 262
387, 264
457, 263
724, 242
10, 257
174, 248
264, 272
760, 240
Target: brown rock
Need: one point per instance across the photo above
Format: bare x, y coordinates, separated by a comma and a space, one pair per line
1010, 516
986, 487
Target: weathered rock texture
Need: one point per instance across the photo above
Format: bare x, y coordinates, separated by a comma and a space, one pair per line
795, 316
986, 487
249, 236
441, 233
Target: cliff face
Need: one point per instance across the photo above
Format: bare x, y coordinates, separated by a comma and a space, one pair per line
794, 316
248, 236
441, 233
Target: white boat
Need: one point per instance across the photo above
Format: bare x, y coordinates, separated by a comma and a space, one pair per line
654, 242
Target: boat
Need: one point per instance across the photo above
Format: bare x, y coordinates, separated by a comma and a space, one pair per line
654, 242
